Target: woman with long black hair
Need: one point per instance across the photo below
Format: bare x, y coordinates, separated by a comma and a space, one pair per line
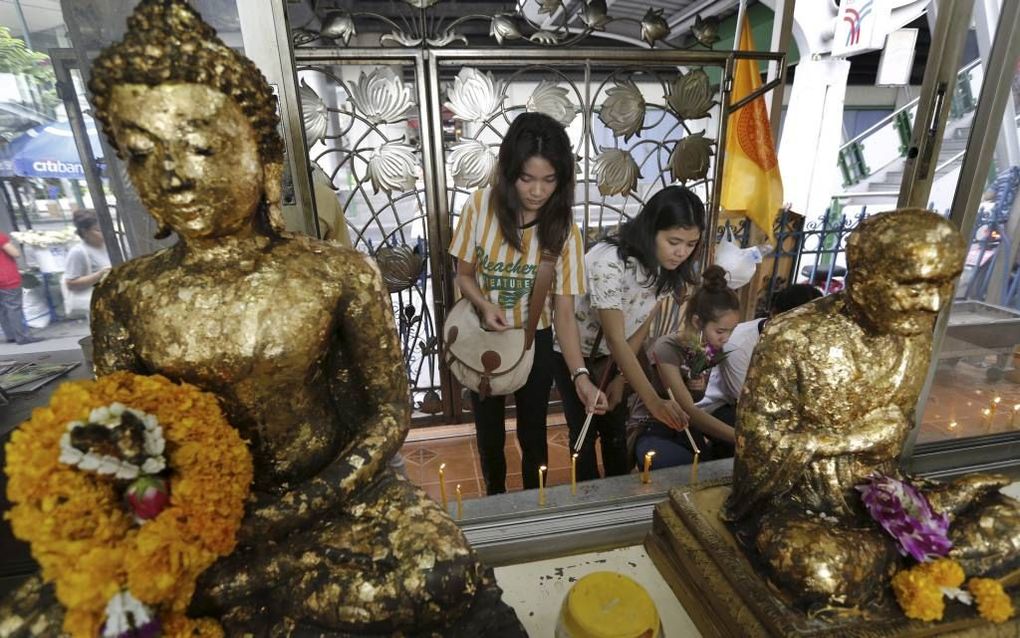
652, 257
498, 243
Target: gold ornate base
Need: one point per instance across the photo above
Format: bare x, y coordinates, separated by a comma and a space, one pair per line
726, 596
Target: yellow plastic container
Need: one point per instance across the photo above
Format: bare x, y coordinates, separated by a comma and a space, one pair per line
608, 605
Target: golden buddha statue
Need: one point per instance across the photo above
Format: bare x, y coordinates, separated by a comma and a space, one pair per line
829, 401
296, 336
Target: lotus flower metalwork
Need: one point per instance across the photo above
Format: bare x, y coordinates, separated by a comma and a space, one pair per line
690, 95
400, 38
474, 95
504, 27
653, 26
445, 38
691, 157
472, 163
544, 37
381, 96
431, 403
303, 36
421, 4
392, 167
552, 100
401, 266
594, 15
616, 172
706, 31
314, 115
549, 7
338, 26
624, 109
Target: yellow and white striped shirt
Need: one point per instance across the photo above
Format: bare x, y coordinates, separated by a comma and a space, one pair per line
506, 275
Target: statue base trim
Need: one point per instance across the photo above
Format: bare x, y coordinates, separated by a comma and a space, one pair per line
726, 595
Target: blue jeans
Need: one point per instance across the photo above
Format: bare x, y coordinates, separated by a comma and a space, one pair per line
12, 320
671, 447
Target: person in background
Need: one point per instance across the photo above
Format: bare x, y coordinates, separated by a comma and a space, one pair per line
12, 318
727, 378
498, 244
87, 262
679, 365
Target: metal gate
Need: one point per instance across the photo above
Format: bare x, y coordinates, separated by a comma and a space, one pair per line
402, 136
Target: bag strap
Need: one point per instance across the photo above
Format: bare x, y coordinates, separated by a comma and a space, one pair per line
595, 344
539, 293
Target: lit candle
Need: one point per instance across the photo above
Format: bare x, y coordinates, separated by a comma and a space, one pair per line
573, 474
460, 503
1012, 417
694, 469
952, 425
994, 405
987, 415
442, 487
645, 476
541, 486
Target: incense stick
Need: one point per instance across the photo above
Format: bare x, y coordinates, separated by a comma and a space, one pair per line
587, 422
687, 430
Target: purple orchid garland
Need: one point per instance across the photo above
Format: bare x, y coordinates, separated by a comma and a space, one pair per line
904, 512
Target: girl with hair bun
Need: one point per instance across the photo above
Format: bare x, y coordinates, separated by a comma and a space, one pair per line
681, 363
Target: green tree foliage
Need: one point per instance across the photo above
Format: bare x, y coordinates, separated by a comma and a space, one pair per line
18, 59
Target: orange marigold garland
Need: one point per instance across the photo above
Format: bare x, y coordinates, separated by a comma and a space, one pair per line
920, 589
993, 602
88, 543
918, 594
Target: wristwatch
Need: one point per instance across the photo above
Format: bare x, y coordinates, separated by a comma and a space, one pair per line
578, 372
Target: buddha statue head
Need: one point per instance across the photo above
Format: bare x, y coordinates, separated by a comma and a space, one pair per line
194, 121
903, 265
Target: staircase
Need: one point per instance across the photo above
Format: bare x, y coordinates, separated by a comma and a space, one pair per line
871, 164
950, 157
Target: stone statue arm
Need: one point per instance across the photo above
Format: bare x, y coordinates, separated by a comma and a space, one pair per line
112, 348
372, 355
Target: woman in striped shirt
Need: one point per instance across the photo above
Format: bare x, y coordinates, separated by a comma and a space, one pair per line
498, 244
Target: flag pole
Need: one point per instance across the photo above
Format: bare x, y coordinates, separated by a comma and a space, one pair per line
739, 31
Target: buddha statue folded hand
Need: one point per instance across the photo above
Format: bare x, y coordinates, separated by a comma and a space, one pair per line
828, 404
297, 339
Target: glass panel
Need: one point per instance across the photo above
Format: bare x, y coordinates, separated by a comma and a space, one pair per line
869, 171
42, 174
976, 388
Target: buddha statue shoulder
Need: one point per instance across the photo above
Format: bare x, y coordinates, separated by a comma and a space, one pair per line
297, 339
829, 402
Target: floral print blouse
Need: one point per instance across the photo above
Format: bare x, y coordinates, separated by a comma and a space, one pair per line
613, 284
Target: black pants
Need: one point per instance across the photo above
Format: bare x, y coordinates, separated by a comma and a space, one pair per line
610, 429
532, 402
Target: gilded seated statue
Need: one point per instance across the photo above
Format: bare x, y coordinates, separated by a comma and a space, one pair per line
830, 399
297, 338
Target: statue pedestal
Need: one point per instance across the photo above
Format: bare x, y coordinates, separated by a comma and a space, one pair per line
725, 595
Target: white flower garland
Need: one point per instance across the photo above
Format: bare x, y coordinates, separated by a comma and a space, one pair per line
110, 417
125, 615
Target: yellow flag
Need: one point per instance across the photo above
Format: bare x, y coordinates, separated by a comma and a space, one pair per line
751, 183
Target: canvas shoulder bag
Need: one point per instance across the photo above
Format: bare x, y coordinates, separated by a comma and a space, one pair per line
489, 362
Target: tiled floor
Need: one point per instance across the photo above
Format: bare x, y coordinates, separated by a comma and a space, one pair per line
958, 397
424, 456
